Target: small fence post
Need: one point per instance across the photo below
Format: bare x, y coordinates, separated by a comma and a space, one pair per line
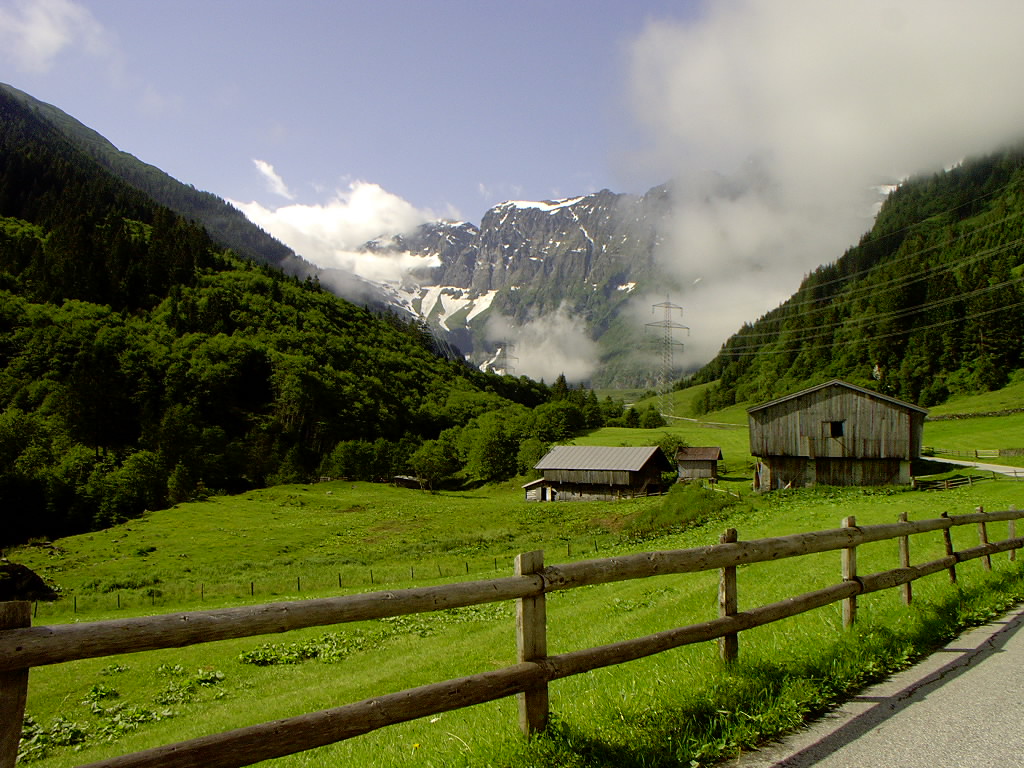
986, 560
908, 588
1013, 533
532, 645
947, 538
849, 555
728, 603
13, 686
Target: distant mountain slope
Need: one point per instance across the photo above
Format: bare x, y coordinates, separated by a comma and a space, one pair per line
141, 364
226, 224
529, 261
929, 303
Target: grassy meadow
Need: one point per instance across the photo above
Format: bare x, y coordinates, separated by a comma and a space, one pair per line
294, 542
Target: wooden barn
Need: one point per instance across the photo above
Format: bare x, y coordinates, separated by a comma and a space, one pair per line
834, 434
698, 463
597, 472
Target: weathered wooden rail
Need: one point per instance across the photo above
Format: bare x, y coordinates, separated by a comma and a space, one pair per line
23, 646
946, 484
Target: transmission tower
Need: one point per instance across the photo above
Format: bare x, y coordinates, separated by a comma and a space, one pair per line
504, 357
668, 345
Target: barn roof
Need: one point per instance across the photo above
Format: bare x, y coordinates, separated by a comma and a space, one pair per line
698, 453
839, 383
602, 457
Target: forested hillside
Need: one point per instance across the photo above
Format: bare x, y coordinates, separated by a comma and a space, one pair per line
927, 305
227, 224
142, 364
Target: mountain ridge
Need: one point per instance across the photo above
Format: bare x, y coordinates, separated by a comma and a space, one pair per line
529, 260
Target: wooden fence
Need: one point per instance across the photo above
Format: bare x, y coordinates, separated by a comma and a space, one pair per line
946, 484
23, 646
974, 453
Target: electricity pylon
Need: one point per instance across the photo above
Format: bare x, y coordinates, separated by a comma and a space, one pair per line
502, 359
668, 344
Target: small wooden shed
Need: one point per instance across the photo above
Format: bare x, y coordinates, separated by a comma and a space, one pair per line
598, 472
835, 433
697, 462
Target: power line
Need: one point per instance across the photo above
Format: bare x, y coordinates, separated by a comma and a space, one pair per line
863, 339
892, 315
845, 278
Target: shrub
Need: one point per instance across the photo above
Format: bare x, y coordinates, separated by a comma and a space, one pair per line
685, 504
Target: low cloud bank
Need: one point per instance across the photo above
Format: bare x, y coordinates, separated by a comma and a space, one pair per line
330, 234
779, 121
548, 346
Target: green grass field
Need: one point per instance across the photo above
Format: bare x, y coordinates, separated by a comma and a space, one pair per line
294, 542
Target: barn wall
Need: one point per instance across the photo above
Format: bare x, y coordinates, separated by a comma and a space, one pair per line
801, 426
797, 472
589, 476
584, 492
861, 472
785, 471
693, 470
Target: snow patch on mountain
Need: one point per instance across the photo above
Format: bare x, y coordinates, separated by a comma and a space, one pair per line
544, 205
441, 303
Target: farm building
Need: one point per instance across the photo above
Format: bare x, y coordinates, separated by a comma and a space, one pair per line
597, 472
834, 434
696, 463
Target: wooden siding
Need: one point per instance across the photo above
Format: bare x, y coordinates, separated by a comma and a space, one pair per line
802, 426
693, 470
859, 472
775, 472
592, 485
590, 476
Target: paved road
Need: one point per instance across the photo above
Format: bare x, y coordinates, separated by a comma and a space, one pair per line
998, 468
962, 706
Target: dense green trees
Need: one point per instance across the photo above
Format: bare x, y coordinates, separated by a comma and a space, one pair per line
242, 379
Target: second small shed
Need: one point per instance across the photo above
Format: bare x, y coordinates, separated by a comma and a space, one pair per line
698, 462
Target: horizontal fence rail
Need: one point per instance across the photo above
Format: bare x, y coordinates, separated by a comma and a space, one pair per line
23, 646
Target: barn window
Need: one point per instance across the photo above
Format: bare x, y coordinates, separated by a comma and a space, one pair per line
836, 428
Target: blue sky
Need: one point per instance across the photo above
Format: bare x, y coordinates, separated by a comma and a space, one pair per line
452, 105
330, 122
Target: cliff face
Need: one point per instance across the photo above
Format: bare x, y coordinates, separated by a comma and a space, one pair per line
583, 256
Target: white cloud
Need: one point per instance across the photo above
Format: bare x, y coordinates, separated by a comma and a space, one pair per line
777, 120
550, 345
274, 180
33, 33
330, 234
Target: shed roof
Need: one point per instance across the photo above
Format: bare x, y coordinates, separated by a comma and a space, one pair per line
839, 383
698, 453
602, 457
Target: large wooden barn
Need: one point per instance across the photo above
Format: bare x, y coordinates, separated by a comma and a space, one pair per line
598, 472
834, 434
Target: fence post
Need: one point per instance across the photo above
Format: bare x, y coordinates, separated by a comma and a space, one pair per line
13, 686
1013, 532
849, 555
531, 645
986, 560
947, 538
908, 588
728, 603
